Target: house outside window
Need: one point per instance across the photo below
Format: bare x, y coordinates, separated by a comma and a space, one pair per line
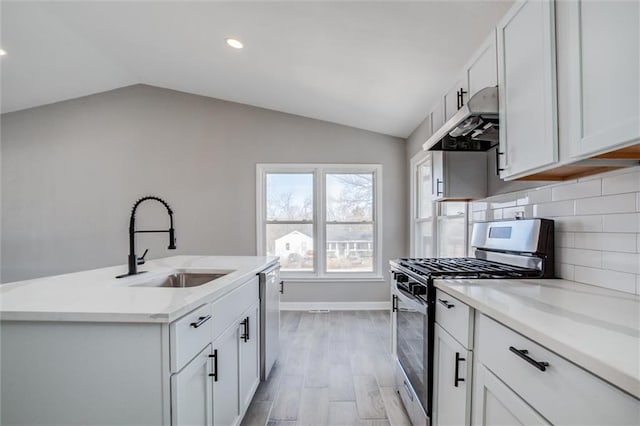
322, 221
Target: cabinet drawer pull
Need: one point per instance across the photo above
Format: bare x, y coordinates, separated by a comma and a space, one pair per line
282, 287
446, 303
201, 320
214, 355
524, 354
438, 183
457, 379
245, 324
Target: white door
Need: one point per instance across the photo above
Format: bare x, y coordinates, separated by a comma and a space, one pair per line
191, 392
527, 88
482, 70
249, 355
496, 404
604, 58
452, 396
225, 386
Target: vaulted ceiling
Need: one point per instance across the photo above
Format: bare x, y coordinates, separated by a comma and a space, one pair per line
373, 65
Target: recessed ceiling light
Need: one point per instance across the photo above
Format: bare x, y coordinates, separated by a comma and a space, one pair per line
3, 52
235, 43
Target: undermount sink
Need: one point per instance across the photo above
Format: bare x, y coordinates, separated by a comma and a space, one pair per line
184, 279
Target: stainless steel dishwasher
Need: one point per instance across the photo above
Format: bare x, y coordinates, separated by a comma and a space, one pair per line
270, 289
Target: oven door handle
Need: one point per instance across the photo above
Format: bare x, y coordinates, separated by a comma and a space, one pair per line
412, 303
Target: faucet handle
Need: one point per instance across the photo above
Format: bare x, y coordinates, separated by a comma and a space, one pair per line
140, 260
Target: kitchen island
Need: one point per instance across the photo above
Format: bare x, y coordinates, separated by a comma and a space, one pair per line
87, 348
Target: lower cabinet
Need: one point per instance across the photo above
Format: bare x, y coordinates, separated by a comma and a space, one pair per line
192, 392
249, 354
452, 399
226, 406
496, 404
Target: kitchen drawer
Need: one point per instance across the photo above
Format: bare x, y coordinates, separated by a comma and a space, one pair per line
455, 317
228, 309
188, 335
563, 393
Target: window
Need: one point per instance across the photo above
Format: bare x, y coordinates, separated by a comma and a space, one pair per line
452, 229
422, 234
323, 221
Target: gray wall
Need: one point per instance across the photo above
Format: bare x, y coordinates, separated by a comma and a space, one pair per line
72, 170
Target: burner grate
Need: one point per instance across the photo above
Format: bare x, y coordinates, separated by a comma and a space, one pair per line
466, 267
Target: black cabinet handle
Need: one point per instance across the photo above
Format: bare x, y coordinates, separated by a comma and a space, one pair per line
461, 94
281, 287
524, 354
245, 324
438, 182
394, 303
214, 355
457, 379
498, 168
201, 320
446, 303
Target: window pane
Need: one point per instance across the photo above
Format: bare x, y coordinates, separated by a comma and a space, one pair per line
424, 190
424, 239
451, 236
349, 197
293, 243
289, 196
350, 248
453, 208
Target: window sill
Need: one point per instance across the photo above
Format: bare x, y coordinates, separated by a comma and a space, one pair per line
325, 279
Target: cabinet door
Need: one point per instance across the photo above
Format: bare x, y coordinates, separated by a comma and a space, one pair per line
527, 82
191, 392
225, 386
604, 79
452, 398
437, 117
482, 70
249, 355
496, 404
452, 99
438, 180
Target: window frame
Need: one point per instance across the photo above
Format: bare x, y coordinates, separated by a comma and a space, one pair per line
320, 223
415, 219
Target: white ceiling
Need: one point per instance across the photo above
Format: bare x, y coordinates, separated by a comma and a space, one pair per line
374, 65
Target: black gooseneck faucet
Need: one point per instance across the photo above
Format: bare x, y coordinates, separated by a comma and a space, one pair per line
134, 261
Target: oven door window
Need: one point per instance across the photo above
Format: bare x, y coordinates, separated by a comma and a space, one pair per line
411, 335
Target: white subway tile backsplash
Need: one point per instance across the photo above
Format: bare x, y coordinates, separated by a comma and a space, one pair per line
629, 222
623, 262
591, 258
623, 203
620, 281
615, 242
540, 195
621, 183
577, 190
579, 223
597, 221
565, 239
557, 208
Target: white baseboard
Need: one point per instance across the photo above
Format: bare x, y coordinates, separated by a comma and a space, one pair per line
335, 306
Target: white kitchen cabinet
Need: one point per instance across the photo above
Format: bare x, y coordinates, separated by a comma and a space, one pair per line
458, 175
226, 404
192, 392
437, 117
496, 404
540, 378
452, 380
249, 354
527, 82
482, 70
602, 53
455, 97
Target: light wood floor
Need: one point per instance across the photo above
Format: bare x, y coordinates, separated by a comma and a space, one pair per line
334, 369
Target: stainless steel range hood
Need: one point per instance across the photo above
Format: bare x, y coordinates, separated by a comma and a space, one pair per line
473, 128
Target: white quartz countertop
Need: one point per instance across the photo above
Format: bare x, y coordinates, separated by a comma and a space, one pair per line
595, 328
97, 296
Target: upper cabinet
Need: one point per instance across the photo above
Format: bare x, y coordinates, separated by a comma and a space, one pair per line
455, 97
482, 69
601, 44
527, 88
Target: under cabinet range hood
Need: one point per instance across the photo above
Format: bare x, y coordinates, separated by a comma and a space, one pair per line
473, 128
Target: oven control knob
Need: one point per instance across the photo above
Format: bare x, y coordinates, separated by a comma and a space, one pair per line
417, 289
402, 278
